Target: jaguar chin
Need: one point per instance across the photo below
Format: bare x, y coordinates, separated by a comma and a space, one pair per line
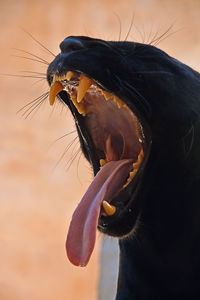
137, 114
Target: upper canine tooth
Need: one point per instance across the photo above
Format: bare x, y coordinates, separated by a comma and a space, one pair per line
109, 209
84, 85
55, 88
69, 75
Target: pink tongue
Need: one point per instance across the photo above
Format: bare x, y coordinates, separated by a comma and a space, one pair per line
82, 231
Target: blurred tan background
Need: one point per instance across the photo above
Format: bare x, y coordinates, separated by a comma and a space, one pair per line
37, 199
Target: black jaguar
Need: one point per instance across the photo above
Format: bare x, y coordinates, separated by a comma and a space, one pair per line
137, 114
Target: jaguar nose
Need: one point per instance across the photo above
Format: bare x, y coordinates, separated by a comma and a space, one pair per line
71, 44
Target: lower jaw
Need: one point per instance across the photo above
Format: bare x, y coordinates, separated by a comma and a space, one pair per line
123, 223
118, 227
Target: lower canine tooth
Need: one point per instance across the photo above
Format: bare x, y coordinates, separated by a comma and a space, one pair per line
109, 209
55, 88
84, 85
102, 162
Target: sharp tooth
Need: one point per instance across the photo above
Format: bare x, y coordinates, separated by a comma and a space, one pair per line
69, 75
107, 95
102, 162
131, 176
138, 162
55, 88
119, 102
135, 168
109, 209
84, 85
141, 155
79, 106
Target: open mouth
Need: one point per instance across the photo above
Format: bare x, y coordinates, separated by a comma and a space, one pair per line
113, 140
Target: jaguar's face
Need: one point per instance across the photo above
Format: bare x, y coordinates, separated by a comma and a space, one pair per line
115, 91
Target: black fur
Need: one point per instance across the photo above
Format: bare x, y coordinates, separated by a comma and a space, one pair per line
159, 224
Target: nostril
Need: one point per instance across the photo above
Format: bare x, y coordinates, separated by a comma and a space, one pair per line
71, 44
